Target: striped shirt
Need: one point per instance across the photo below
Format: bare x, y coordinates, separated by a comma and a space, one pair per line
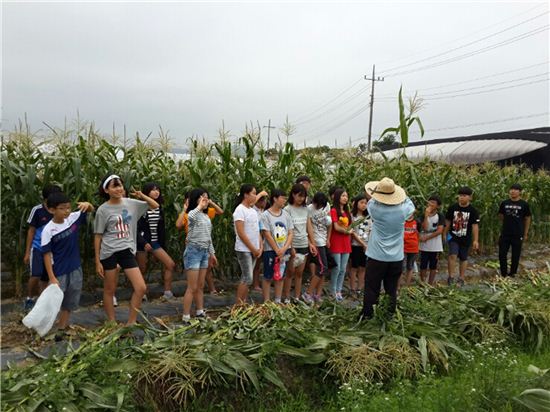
153, 217
200, 230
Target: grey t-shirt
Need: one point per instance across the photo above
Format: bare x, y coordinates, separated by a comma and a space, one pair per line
279, 227
299, 215
320, 221
118, 225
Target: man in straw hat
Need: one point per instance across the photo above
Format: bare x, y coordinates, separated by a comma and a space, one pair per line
389, 207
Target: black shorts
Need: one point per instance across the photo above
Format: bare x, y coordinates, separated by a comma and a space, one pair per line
125, 258
428, 260
408, 261
321, 261
358, 257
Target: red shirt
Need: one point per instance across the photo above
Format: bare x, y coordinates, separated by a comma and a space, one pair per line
411, 236
340, 242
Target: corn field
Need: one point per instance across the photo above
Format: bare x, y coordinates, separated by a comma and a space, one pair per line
76, 159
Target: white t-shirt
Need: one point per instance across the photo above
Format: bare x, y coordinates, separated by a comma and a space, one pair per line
434, 244
251, 227
320, 222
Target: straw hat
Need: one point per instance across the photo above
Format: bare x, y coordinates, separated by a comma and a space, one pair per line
386, 191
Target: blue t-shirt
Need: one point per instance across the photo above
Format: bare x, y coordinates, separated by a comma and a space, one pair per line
386, 237
38, 218
61, 239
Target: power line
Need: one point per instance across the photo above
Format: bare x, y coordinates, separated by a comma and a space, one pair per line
464, 37
343, 103
429, 96
506, 42
545, 63
464, 45
300, 118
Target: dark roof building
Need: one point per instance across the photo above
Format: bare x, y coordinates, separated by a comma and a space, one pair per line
530, 146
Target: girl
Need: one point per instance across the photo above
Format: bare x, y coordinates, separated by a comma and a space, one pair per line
321, 224
302, 241
199, 253
115, 230
183, 223
152, 238
248, 246
340, 241
359, 243
259, 207
277, 228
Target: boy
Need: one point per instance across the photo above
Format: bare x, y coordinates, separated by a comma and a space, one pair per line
515, 216
431, 242
61, 252
412, 227
38, 218
462, 223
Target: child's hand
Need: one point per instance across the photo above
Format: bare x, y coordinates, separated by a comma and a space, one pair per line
213, 261
84, 206
263, 193
100, 271
54, 281
203, 202
138, 194
148, 247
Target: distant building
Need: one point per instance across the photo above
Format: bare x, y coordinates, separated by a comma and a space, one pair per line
530, 146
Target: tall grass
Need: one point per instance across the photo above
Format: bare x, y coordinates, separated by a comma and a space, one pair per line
77, 158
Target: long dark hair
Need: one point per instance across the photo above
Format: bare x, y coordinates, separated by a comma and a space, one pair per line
337, 195
149, 187
246, 188
355, 209
297, 189
117, 182
194, 196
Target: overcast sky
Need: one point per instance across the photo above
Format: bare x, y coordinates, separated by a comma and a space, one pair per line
188, 66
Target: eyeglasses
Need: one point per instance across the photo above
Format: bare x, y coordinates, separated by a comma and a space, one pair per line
63, 207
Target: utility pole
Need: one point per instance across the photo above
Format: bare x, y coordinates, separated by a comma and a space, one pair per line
373, 79
269, 127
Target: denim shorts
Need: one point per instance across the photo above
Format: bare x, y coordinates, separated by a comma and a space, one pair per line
246, 262
154, 246
195, 258
71, 285
273, 266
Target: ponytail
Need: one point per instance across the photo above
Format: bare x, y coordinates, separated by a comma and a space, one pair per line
245, 189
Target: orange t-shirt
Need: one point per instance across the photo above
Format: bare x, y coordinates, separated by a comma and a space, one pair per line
411, 236
211, 214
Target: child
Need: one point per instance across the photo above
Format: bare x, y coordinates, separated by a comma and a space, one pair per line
38, 218
462, 223
321, 224
411, 239
278, 231
431, 242
259, 207
115, 229
199, 253
302, 241
340, 241
152, 238
183, 223
248, 245
359, 242
59, 242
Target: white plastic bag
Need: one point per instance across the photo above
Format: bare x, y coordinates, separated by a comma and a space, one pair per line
43, 314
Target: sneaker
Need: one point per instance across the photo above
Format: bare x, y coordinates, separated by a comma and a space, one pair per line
339, 297
286, 301
186, 319
317, 298
144, 298
201, 316
460, 283
60, 335
115, 302
306, 297
168, 295
29, 304
450, 281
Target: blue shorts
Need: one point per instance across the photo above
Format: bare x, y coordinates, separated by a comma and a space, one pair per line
154, 246
37, 265
273, 265
71, 285
195, 258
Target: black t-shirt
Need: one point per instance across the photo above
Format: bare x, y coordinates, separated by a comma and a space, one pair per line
462, 219
514, 213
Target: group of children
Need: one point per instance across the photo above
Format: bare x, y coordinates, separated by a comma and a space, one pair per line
280, 233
